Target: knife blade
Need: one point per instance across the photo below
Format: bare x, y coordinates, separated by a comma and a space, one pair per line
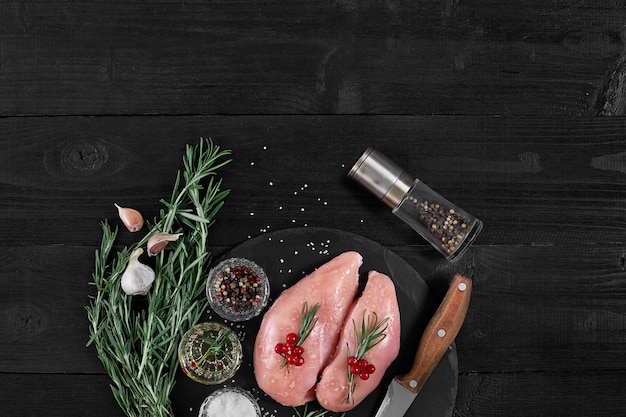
435, 341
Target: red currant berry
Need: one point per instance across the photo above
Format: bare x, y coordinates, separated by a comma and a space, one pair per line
362, 363
298, 350
286, 350
293, 359
292, 338
355, 370
370, 369
299, 361
364, 376
278, 348
352, 361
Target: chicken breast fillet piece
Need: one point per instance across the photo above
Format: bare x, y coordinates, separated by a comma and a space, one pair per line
378, 302
333, 286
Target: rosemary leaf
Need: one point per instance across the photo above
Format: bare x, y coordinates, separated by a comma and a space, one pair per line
138, 348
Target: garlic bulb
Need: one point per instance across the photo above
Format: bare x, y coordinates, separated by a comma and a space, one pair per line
132, 219
137, 278
159, 241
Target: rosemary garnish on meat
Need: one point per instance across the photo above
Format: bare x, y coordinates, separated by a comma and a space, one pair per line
368, 335
308, 321
137, 346
292, 349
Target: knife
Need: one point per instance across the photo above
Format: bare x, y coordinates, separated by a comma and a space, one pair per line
436, 339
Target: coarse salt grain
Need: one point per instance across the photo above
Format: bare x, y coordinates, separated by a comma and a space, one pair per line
230, 404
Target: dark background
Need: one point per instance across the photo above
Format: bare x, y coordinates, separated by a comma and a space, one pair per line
512, 109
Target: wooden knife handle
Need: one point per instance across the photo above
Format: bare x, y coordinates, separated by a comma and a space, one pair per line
439, 333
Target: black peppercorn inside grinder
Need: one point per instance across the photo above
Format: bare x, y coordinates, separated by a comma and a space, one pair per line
445, 226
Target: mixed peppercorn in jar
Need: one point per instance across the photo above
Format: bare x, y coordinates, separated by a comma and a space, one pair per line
237, 289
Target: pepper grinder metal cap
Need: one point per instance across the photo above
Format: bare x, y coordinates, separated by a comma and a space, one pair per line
382, 177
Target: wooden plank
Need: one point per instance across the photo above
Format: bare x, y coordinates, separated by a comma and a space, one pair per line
554, 308
249, 57
62, 394
533, 181
592, 394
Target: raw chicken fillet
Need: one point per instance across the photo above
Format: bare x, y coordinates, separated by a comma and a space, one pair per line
379, 296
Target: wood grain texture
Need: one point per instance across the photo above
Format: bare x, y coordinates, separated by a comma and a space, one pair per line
309, 57
501, 106
593, 394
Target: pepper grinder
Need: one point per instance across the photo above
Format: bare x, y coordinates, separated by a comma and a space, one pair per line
448, 228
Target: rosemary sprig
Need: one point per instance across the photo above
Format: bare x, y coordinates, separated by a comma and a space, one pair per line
369, 335
308, 320
137, 347
216, 347
313, 413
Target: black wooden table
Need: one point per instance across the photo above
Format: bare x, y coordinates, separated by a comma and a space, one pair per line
511, 109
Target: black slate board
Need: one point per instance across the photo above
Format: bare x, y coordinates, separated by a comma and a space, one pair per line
287, 255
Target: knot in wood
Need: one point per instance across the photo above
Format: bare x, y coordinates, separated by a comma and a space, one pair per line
84, 157
25, 320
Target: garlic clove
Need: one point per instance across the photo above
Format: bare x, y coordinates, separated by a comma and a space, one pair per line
159, 241
137, 279
132, 219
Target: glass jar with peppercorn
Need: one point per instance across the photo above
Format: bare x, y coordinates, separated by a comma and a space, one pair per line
237, 289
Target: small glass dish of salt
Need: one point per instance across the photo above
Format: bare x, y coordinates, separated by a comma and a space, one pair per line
230, 402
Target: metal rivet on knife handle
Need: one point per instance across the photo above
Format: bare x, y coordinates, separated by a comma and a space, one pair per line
439, 333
